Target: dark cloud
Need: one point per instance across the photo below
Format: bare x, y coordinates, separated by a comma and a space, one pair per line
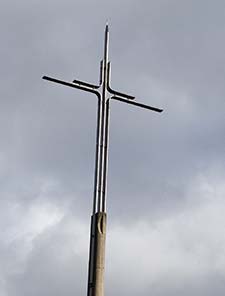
165, 171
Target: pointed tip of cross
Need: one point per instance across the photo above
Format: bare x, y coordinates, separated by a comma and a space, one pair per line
107, 26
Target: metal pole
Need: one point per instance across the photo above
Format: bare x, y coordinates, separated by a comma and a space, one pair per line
103, 120
96, 180
106, 149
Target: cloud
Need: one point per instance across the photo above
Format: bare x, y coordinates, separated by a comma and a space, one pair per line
165, 189
183, 252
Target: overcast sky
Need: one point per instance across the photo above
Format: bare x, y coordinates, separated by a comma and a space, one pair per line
166, 189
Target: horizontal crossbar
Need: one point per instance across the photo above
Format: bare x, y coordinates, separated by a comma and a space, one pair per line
82, 83
71, 84
137, 104
120, 94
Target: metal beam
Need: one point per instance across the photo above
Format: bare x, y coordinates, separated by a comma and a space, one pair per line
71, 84
137, 104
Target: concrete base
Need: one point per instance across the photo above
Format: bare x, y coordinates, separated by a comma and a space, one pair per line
97, 255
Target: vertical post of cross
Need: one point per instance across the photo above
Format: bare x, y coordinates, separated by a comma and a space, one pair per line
98, 219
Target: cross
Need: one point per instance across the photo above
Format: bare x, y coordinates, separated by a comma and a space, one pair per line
105, 94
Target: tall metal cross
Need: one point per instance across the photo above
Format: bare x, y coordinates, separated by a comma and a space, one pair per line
104, 93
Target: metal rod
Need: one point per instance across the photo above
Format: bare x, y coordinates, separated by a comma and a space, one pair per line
106, 150
96, 175
71, 85
97, 189
103, 106
137, 104
101, 157
101, 73
82, 83
105, 146
120, 94
106, 44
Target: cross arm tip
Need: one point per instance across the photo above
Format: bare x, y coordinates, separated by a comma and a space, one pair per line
46, 77
137, 104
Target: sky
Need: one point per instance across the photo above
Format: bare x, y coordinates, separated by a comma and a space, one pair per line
166, 189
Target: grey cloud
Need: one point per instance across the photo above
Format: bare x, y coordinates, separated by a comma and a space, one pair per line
168, 54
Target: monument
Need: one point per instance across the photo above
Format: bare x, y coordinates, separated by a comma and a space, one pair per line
104, 94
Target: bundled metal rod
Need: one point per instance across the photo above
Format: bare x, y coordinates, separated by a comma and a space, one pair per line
106, 149
97, 151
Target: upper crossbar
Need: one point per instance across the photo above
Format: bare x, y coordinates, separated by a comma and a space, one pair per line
72, 84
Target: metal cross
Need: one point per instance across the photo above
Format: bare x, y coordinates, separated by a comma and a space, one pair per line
104, 94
